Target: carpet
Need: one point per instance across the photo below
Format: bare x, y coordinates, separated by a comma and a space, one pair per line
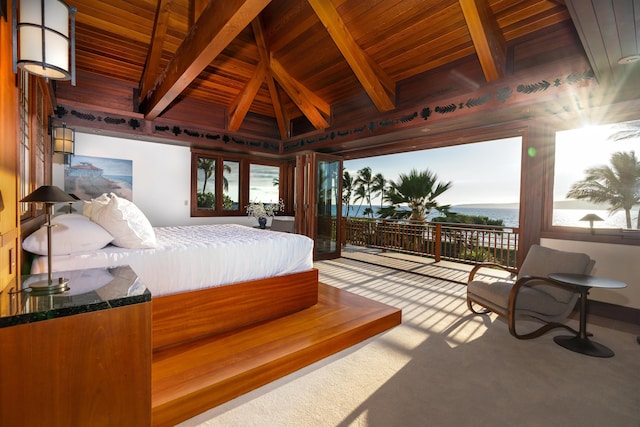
444, 367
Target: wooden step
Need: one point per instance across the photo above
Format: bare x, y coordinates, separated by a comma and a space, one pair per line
194, 377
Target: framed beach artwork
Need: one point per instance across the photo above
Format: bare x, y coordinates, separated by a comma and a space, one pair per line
88, 177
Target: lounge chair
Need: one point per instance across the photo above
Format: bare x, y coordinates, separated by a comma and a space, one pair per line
531, 294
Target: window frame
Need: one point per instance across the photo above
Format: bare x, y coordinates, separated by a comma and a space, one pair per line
550, 231
245, 163
34, 141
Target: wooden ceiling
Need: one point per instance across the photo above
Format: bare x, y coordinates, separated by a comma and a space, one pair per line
296, 60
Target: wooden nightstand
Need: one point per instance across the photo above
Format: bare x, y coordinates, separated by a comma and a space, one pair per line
78, 358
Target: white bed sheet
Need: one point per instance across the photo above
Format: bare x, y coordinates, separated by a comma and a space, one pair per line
199, 256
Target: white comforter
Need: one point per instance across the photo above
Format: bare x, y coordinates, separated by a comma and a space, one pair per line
199, 256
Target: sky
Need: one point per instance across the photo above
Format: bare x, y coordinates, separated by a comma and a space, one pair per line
489, 172
484, 172
481, 173
579, 149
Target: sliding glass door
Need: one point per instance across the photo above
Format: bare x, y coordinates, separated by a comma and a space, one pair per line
319, 202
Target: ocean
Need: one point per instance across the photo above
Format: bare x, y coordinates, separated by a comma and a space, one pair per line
561, 217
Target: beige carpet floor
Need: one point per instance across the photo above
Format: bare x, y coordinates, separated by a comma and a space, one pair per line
445, 367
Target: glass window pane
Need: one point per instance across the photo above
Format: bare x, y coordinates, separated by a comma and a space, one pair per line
206, 190
264, 182
25, 144
597, 173
231, 186
328, 184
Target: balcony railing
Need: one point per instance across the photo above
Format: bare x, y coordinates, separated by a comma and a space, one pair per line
466, 243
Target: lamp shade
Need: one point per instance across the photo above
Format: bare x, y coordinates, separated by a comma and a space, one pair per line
63, 139
591, 217
42, 33
48, 194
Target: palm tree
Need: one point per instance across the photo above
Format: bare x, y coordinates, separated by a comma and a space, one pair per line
618, 185
365, 181
208, 168
379, 186
347, 190
418, 191
360, 194
625, 131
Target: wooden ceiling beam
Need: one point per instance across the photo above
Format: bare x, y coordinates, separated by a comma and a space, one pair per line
487, 39
152, 64
245, 98
219, 24
300, 95
263, 50
377, 84
196, 7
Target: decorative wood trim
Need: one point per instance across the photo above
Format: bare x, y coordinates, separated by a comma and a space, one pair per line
571, 92
138, 127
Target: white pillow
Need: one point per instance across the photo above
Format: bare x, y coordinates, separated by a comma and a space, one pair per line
72, 233
88, 206
125, 222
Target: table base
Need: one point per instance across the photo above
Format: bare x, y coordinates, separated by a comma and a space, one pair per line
584, 346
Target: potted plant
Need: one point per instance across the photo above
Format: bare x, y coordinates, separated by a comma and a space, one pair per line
261, 211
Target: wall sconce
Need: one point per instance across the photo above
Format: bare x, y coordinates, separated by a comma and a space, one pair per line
64, 139
41, 42
49, 195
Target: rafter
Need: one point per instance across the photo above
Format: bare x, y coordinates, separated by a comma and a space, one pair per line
310, 105
196, 7
217, 26
486, 36
377, 84
150, 73
263, 50
245, 98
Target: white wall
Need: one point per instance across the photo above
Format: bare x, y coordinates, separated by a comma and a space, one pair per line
161, 177
619, 262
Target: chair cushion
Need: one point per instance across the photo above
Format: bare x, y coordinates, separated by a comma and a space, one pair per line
530, 299
541, 261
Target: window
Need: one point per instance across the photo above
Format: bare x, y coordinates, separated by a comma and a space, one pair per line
32, 126
24, 134
231, 185
238, 178
206, 183
597, 178
264, 183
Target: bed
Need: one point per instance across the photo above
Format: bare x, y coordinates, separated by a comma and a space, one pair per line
204, 279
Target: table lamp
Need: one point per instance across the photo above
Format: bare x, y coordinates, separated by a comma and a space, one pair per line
591, 217
49, 195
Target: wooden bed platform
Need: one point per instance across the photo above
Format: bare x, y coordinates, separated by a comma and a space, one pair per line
196, 375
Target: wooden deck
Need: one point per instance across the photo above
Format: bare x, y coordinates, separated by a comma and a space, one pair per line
194, 377
450, 271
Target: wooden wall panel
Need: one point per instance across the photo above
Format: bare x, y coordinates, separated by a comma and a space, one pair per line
110, 94
9, 224
85, 369
196, 112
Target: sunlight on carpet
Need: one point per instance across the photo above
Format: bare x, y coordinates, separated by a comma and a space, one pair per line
439, 360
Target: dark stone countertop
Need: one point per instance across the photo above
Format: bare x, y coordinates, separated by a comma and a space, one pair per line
91, 289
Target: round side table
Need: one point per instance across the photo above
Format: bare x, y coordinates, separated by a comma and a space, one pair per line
582, 283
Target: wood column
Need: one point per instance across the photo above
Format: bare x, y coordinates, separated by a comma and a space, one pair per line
537, 160
9, 223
